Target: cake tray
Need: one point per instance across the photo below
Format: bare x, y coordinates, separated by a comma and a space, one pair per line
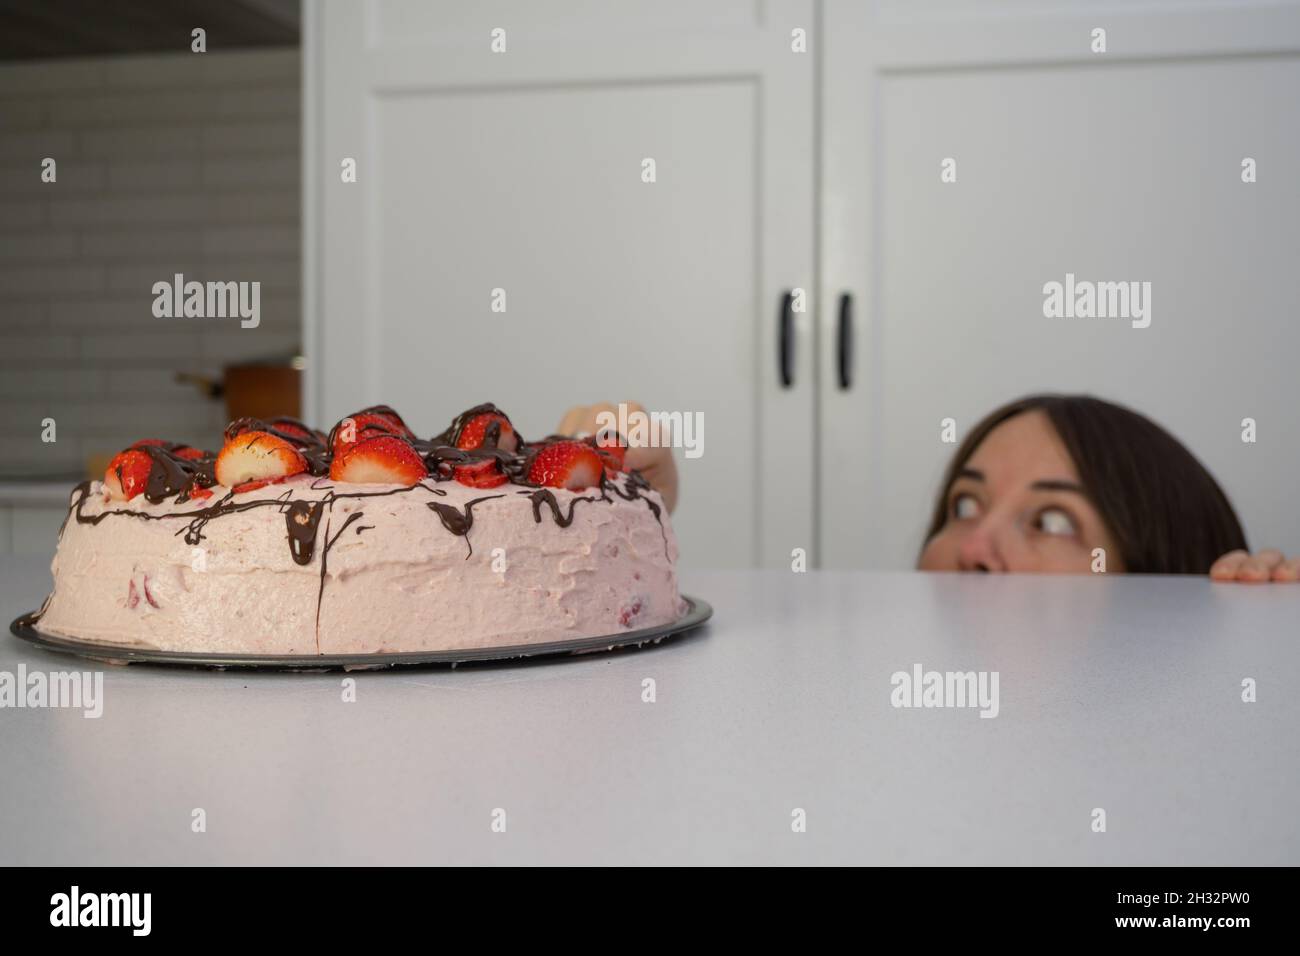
697, 612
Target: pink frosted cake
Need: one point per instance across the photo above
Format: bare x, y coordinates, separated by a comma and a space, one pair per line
366, 540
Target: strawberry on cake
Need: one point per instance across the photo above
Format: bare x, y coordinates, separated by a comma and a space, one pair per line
364, 540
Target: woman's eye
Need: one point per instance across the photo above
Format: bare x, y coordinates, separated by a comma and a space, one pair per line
1055, 521
965, 506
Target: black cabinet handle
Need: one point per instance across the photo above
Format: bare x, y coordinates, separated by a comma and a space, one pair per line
785, 341
844, 342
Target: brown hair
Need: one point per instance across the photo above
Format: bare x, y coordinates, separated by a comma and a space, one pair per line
1166, 512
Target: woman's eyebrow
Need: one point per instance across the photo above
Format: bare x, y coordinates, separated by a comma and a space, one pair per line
1058, 484
972, 473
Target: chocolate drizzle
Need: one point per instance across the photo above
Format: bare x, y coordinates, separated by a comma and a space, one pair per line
545, 496
631, 491
324, 562
302, 520
459, 522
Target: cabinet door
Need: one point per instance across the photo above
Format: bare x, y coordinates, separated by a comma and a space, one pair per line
1117, 166
521, 174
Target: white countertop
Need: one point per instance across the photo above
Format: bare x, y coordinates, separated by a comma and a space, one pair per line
1119, 693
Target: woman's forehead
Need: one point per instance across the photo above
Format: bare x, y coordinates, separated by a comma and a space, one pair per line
1023, 449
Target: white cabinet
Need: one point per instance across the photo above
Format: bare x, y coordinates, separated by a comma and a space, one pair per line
1123, 165
522, 171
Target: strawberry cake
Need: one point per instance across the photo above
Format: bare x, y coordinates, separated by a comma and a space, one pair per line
364, 540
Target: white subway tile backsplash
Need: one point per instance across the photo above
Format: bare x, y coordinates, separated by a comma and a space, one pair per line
21, 113
281, 313
254, 66
176, 347
127, 242
151, 177
273, 169
19, 216
192, 210
35, 247
141, 142
124, 415
30, 456
44, 77
22, 349
102, 312
25, 145
282, 102
60, 382
166, 163
226, 138
24, 314
276, 274
158, 383
133, 313
226, 69
27, 416
46, 280
137, 280
74, 176
118, 210
169, 107
151, 71
278, 205
244, 345
251, 240
21, 180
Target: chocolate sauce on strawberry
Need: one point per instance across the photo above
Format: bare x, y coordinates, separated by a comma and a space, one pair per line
387, 411
169, 476
368, 429
289, 429
451, 437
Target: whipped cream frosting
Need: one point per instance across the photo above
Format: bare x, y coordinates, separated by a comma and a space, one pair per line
489, 549
387, 574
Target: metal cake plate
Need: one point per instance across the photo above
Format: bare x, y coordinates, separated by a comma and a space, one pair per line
697, 612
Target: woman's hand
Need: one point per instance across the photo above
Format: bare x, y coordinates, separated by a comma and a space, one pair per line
1268, 565
656, 464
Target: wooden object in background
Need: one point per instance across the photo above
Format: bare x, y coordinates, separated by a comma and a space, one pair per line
263, 391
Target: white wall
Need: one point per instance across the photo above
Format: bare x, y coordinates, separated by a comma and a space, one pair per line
166, 163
